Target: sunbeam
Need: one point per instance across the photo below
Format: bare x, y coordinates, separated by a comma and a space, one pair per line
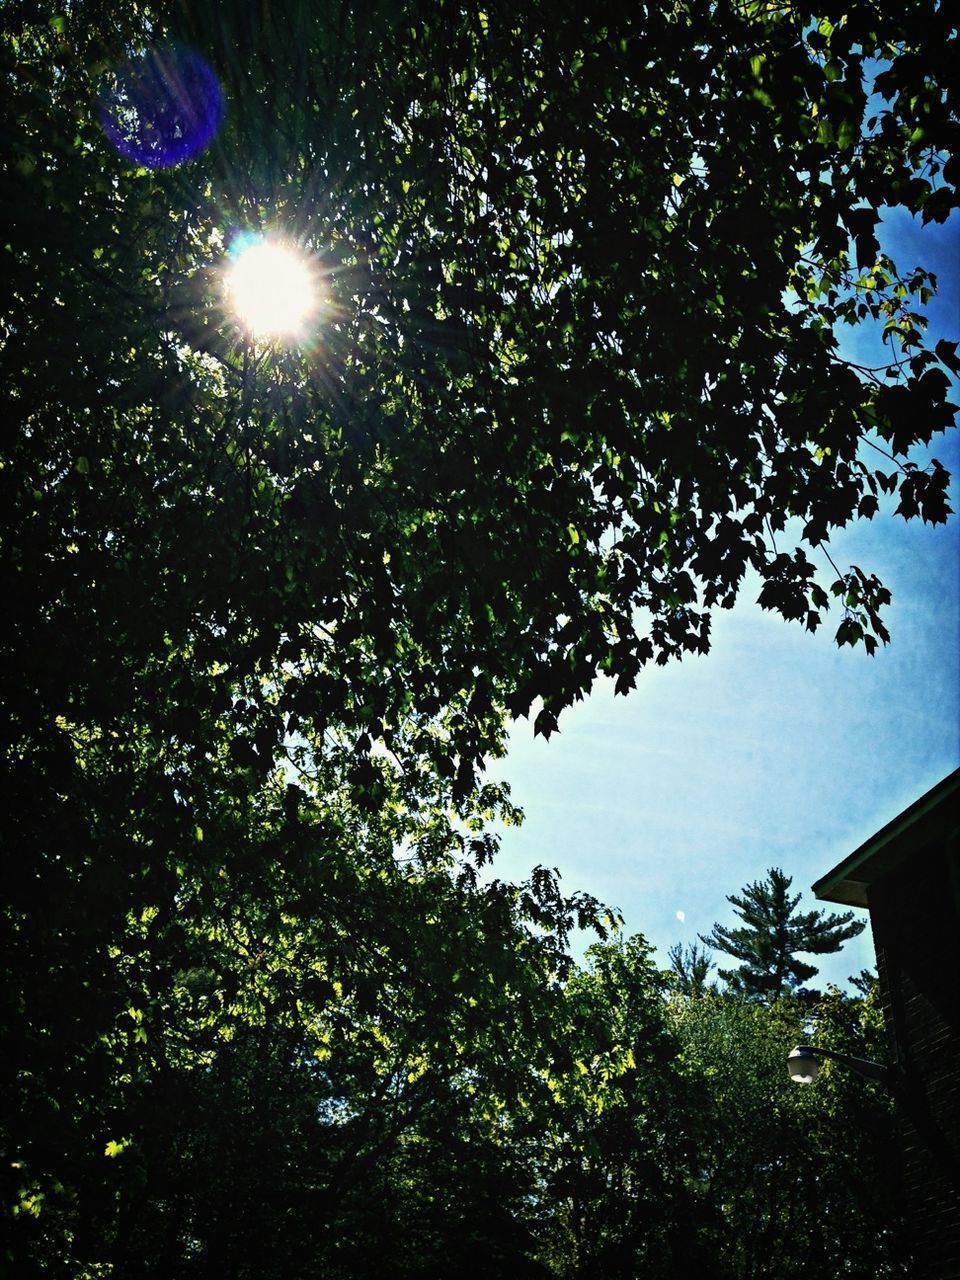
272, 289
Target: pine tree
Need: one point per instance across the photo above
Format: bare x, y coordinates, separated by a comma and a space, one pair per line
690, 967
771, 936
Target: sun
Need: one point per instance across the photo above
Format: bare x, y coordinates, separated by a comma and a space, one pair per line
272, 288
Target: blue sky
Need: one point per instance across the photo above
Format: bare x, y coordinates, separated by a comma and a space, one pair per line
776, 749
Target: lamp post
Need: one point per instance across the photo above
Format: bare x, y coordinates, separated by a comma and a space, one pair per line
803, 1065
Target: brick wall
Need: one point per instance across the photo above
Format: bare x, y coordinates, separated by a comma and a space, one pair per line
915, 915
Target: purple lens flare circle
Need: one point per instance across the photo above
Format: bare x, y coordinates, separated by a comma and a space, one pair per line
163, 108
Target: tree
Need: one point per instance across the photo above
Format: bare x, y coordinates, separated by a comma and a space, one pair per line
307, 1017
791, 1181
615, 1191
678, 1145
572, 297
268, 609
772, 934
689, 969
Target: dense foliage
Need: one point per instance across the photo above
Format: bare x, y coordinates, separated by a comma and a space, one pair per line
267, 609
800, 1181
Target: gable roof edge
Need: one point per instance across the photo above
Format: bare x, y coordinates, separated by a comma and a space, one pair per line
848, 882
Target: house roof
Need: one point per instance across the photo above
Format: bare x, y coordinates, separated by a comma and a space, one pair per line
935, 814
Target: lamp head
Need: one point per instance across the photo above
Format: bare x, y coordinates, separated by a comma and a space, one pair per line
802, 1065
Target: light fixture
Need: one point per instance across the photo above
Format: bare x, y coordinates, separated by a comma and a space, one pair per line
803, 1065
271, 288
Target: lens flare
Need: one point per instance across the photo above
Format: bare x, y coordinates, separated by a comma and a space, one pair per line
272, 288
162, 108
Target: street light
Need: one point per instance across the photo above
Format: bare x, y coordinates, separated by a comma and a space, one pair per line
803, 1064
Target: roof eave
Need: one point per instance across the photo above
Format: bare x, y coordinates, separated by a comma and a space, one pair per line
934, 814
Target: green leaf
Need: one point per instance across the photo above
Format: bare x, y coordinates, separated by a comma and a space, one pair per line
848, 133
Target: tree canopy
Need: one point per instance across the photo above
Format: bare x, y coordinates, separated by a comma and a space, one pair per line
579, 367
269, 607
791, 1181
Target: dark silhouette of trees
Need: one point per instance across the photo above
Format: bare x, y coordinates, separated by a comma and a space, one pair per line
268, 609
772, 934
791, 1181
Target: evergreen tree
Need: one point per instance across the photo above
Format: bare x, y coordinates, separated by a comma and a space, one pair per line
689, 969
771, 936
